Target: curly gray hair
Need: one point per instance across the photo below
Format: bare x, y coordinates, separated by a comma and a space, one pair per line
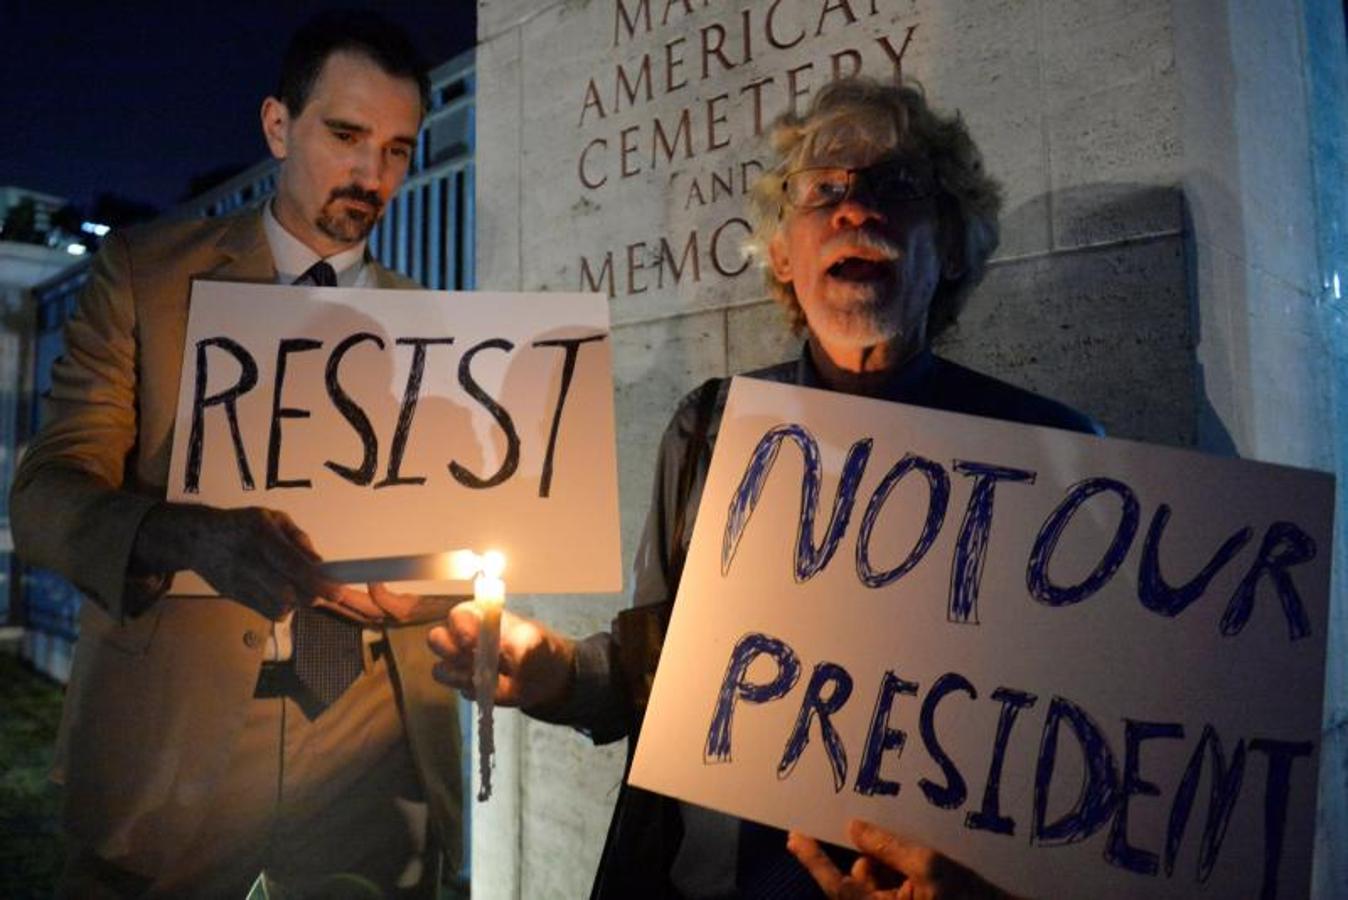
892, 117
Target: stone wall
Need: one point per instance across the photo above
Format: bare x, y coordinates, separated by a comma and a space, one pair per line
1149, 272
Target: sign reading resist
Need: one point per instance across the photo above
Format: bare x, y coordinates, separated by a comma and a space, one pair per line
1082, 667
391, 423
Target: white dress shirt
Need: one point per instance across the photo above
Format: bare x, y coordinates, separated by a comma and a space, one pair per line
293, 258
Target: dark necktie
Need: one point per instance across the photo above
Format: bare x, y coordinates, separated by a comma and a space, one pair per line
320, 274
327, 647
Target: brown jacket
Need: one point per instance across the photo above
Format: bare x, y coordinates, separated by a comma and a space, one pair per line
156, 700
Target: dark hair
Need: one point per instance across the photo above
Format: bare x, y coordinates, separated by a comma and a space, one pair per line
353, 31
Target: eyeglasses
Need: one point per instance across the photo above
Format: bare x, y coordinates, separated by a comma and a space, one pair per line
891, 181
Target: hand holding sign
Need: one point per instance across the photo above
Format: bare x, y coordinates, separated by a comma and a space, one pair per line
258, 557
890, 868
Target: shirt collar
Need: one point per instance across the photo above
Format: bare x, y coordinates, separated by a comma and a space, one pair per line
908, 384
293, 258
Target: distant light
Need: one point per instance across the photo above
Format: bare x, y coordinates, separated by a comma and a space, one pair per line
76, 249
1338, 294
94, 228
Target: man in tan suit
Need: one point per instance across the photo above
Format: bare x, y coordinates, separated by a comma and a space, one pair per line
194, 749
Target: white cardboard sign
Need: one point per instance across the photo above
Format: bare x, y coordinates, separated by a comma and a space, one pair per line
1084, 667
392, 423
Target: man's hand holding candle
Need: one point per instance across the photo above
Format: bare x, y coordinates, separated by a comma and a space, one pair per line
535, 662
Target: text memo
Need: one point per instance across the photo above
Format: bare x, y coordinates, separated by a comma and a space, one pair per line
390, 423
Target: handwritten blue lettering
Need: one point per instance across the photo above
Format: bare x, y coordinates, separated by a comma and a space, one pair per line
735, 687
1284, 546
835, 679
989, 816
952, 793
1118, 851
809, 559
971, 548
1152, 589
1036, 575
881, 738
1225, 781
1100, 786
1280, 757
938, 495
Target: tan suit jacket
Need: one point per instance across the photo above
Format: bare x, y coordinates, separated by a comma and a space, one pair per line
157, 699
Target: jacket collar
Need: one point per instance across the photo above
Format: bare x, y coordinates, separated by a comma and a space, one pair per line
243, 244
384, 278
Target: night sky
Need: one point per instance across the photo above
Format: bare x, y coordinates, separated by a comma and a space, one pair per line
135, 98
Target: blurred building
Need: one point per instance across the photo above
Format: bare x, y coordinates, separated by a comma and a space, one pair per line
22, 265
44, 206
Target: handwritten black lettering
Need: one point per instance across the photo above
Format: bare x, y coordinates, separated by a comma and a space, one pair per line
279, 412
411, 394
498, 412
229, 399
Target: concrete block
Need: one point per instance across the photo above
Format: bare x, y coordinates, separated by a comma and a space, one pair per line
662, 235
1025, 211
1276, 180
1090, 47
570, 788
497, 185
1114, 159
656, 233
1223, 353
1291, 374
654, 365
1101, 213
759, 336
1208, 71
567, 784
496, 16
984, 61
495, 834
1107, 331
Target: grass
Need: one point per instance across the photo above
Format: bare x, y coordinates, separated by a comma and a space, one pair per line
31, 849
30, 839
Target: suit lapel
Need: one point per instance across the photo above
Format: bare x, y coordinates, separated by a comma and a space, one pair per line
246, 256
384, 278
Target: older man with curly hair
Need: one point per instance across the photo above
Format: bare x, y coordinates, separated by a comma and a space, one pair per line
872, 228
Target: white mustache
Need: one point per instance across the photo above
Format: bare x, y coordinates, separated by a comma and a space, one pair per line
849, 240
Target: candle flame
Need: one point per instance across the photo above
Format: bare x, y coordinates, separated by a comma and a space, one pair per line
493, 563
462, 565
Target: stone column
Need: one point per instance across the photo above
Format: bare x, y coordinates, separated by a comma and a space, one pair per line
1157, 267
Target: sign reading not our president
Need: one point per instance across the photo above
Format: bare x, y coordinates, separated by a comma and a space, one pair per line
394, 423
1083, 667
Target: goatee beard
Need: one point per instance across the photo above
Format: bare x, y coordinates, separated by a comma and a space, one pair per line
349, 225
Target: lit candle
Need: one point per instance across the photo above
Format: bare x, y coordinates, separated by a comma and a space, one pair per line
489, 594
